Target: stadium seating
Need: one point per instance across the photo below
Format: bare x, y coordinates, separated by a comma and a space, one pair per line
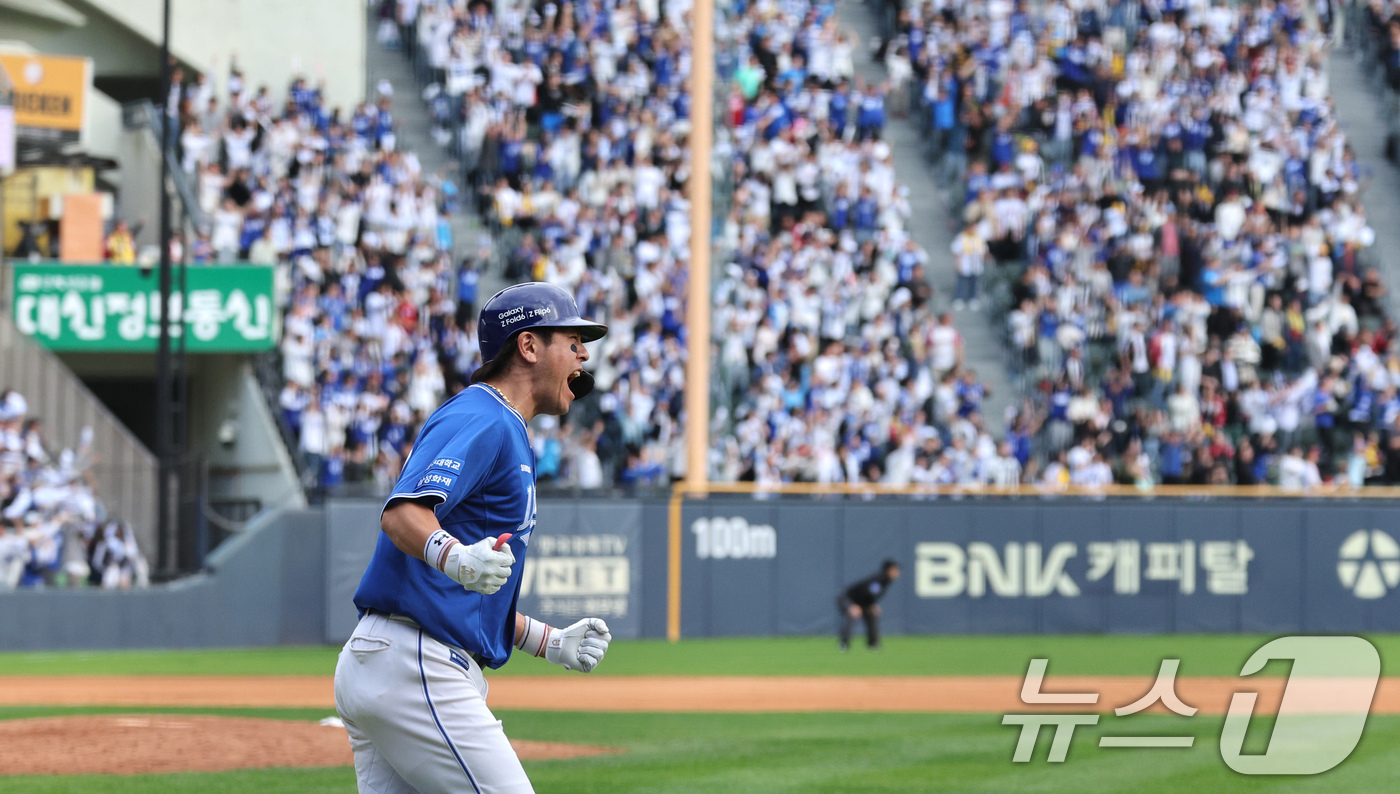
1162, 214
582, 178
1180, 246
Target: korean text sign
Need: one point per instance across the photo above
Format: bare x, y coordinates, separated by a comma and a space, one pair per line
1044, 565
107, 308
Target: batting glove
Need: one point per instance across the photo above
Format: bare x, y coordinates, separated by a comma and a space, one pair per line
478, 567
579, 647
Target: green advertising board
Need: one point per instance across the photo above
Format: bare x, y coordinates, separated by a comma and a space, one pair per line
116, 308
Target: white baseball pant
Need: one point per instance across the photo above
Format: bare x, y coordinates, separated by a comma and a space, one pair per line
417, 717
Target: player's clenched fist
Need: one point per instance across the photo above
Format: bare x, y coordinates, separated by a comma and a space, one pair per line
478, 567
580, 646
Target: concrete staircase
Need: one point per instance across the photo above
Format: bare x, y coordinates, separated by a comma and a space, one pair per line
932, 228
415, 135
1363, 112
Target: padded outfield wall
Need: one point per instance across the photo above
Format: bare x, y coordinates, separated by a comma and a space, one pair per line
774, 566
1044, 565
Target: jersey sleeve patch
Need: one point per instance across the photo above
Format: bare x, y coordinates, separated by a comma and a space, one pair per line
439, 477
434, 481
435, 495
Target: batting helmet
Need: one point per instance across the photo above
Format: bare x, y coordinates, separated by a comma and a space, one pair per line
525, 307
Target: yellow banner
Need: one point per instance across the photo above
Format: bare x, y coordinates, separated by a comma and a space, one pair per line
50, 90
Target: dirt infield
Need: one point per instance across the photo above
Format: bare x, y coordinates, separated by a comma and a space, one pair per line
155, 743
965, 694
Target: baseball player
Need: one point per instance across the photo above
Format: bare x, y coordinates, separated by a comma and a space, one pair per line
437, 603
859, 601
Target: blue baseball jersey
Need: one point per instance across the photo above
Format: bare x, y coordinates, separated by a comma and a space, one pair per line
474, 461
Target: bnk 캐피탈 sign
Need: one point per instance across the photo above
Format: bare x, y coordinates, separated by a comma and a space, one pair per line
111, 308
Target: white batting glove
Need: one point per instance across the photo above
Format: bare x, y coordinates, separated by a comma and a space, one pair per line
478, 567
579, 647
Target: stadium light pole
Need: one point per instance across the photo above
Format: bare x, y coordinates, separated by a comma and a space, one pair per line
700, 297
164, 379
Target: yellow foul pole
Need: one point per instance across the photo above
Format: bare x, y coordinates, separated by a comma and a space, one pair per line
699, 297
697, 316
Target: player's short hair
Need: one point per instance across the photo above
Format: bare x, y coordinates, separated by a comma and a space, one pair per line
498, 365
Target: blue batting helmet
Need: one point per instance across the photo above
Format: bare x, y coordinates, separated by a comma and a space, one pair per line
525, 307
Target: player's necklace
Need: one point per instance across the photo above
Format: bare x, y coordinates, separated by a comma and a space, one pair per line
503, 397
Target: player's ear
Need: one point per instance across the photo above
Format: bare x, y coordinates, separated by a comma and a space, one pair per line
530, 346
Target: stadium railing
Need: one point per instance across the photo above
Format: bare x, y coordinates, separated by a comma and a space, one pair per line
143, 114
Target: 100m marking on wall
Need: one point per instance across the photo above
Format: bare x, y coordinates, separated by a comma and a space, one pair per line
733, 539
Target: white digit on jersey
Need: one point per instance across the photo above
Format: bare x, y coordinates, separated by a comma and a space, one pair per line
528, 523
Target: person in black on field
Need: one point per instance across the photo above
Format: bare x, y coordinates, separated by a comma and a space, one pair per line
859, 601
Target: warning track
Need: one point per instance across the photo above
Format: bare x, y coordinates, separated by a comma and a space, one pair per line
735, 694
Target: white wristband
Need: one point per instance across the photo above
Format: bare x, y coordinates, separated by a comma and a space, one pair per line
436, 549
535, 636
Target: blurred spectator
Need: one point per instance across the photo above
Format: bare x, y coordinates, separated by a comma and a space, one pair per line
114, 559
48, 505
120, 246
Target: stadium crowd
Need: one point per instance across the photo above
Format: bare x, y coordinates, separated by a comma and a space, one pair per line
1173, 213
571, 122
572, 126
1161, 202
827, 348
362, 251
379, 323
53, 528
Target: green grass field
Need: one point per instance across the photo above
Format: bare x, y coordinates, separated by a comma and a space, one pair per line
737, 754
1201, 654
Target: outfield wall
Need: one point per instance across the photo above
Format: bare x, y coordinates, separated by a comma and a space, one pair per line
1044, 565
761, 567
590, 558
263, 587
